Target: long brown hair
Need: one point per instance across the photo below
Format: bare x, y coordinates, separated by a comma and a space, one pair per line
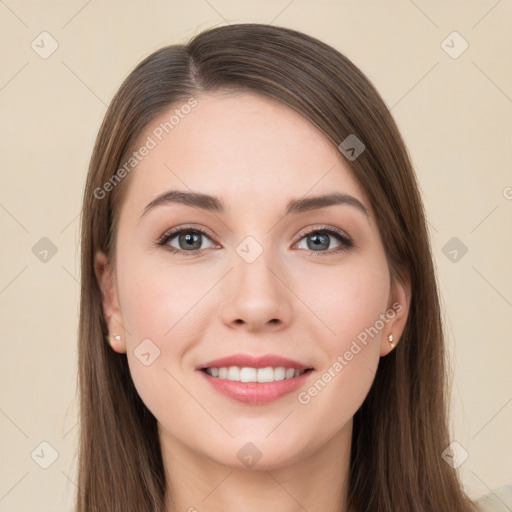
401, 429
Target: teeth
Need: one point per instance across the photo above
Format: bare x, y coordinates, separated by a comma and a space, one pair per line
247, 374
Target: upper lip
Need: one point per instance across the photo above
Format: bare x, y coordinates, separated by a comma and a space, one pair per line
247, 360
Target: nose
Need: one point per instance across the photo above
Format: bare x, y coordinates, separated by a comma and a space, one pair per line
258, 297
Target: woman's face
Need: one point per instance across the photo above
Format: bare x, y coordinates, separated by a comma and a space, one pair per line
249, 275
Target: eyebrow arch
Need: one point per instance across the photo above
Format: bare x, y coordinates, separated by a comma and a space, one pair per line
216, 205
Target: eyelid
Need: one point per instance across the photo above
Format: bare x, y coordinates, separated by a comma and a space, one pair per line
187, 227
315, 228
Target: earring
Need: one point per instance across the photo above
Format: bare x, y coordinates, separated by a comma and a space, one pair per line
114, 337
390, 339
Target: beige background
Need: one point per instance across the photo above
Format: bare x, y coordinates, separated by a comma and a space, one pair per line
455, 115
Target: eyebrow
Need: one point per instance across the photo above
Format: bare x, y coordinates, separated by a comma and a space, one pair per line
216, 205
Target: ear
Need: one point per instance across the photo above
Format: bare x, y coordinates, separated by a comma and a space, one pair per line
398, 311
110, 302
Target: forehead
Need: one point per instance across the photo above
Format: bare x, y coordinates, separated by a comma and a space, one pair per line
238, 145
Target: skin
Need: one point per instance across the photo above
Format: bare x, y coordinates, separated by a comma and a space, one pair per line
255, 154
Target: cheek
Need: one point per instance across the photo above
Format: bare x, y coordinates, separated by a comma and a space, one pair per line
157, 300
347, 299
161, 310
164, 308
350, 303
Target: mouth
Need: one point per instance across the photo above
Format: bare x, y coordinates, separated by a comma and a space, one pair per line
255, 379
254, 375
255, 386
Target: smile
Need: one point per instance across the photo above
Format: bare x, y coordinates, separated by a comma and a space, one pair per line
248, 374
252, 392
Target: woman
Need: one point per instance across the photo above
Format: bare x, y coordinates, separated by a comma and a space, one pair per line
259, 320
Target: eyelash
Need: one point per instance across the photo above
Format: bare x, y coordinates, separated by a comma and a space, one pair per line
345, 242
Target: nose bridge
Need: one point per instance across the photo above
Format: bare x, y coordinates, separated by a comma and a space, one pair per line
254, 269
256, 294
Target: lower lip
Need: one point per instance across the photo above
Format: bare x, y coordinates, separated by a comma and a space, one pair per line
256, 393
